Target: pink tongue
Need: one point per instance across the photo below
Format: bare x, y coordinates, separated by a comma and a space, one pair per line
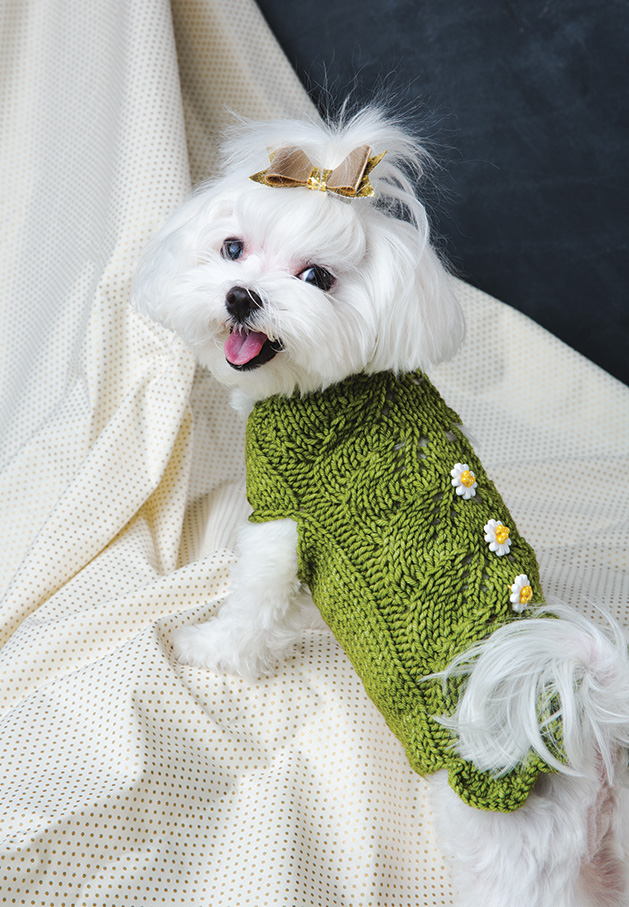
243, 346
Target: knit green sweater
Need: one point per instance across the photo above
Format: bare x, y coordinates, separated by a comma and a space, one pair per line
396, 561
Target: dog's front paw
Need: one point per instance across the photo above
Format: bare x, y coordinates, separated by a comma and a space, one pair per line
192, 645
217, 646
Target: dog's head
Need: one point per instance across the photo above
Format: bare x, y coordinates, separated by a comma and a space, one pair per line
279, 290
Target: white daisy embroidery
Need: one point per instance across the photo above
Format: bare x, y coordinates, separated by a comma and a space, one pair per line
521, 592
464, 481
497, 534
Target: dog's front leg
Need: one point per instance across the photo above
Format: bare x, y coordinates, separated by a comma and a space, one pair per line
264, 614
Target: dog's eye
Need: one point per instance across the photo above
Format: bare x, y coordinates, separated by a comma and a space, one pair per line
318, 277
232, 249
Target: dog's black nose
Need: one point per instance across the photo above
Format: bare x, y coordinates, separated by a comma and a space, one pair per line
240, 302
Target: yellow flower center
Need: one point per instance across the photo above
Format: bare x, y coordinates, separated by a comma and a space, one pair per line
502, 534
526, 594
467, 478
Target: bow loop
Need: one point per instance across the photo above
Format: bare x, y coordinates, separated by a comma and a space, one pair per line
291, 167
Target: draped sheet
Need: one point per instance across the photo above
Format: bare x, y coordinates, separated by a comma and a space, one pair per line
126, 777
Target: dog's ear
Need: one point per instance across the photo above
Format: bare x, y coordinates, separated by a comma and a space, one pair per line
160, 276
421, 320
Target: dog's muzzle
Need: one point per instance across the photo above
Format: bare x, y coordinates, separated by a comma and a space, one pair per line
241, 302
246, 348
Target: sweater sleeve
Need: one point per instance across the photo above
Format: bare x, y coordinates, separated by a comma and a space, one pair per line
268, 492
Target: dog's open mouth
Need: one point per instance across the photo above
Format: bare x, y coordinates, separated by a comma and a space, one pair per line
246, 349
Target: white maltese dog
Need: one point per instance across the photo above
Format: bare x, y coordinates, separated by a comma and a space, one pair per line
303, 278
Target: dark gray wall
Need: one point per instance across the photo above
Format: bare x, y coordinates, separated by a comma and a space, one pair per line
525, 104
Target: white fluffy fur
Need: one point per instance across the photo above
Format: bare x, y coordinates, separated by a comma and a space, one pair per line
391, 307
533, 674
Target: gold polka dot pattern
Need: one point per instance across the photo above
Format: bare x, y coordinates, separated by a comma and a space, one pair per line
127, 778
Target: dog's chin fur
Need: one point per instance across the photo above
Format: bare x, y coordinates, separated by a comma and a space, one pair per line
390, 308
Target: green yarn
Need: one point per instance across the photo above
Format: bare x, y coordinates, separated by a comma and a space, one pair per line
396, 561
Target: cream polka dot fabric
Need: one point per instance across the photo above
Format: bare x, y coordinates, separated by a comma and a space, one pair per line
127, 778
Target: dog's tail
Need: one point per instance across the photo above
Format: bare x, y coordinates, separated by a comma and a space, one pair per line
556, 683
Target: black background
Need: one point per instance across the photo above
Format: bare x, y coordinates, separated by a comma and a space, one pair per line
525, 107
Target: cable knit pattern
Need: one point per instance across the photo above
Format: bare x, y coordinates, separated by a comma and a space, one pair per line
396, 561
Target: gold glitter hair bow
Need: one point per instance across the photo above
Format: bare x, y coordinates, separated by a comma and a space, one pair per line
291, 167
